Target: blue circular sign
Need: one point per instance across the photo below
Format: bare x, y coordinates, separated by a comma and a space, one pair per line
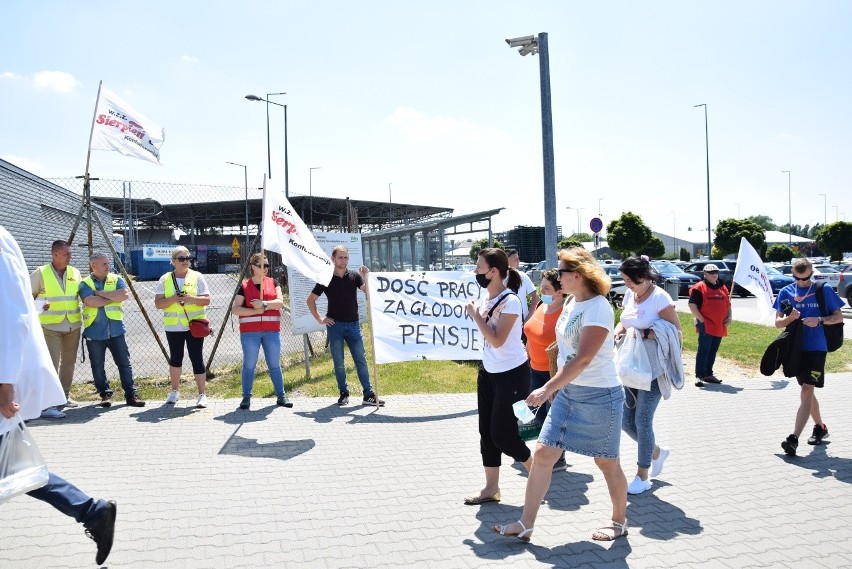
596, 225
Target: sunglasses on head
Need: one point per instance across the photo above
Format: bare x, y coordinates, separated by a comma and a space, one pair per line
183, 259
560, 271
807, 278
265, 266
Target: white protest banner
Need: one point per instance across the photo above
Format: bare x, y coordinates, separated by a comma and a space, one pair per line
301, 286
116, 126
284, 232
422, 316
751, 275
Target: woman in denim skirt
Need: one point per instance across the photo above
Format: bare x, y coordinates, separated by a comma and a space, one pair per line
586, 396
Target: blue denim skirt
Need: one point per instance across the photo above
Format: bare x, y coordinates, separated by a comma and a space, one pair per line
585, 420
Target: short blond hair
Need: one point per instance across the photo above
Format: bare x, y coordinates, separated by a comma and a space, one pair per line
178, 250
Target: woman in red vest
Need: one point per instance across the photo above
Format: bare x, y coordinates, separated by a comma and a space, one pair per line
258, 303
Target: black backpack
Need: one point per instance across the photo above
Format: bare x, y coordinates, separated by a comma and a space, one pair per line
833, 332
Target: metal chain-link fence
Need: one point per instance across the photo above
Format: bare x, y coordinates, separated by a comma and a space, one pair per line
137, 216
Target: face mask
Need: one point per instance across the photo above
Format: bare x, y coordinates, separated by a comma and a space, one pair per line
547, 298
482, 280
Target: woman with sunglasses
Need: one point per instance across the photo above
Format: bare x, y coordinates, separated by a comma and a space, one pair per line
504, 374
540, 330
650, 310
258, 303
182, 295
585, 394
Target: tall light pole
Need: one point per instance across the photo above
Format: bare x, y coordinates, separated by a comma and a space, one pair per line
245, 176
707, 155
836, 215
824, 210
674, 234
268, 154
311, 191
579, 209
531, 45
390, 204
789, 208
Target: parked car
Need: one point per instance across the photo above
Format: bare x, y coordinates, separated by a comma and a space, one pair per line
829, 274
777, 279
666, 270
726, 274
843, 288
618, 288
535, 272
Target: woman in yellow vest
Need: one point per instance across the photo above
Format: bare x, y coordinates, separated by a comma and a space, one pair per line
182, 295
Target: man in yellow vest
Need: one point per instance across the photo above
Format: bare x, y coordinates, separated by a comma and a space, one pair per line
103, 328
55, 285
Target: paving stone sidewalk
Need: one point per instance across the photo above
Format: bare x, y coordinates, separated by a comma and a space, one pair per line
323, 486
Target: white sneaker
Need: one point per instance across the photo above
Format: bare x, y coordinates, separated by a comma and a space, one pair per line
201, 402
173, 397
52, 413
657, 463
638, 486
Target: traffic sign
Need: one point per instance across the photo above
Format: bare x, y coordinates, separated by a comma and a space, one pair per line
596, 225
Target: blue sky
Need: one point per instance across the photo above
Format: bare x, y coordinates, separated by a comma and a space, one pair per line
428, 97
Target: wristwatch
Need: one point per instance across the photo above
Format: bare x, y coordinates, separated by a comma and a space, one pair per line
820, 321
645, 333
264, 304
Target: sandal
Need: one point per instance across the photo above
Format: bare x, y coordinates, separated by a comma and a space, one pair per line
477, 500
523, 536
611, 533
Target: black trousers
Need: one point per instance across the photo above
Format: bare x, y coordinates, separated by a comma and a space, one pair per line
498, 427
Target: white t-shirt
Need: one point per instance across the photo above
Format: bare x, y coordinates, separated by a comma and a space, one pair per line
575, 316
643, 315
512, 353
24, 358
526, 289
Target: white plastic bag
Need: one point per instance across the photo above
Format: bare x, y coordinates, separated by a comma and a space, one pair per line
22, 467
631, 362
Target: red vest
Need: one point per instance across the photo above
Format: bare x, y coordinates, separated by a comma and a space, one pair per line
714, 307
269, 321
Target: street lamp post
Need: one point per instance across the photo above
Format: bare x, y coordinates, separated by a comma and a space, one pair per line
824, 210
579, 209
707, 155
836, 215
268, 154
311, 191
789, 209
531, 45
390, 204
245, 176
674, 235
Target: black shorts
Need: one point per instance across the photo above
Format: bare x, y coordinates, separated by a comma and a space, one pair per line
811, 369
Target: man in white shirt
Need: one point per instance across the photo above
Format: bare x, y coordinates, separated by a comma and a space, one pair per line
527, 292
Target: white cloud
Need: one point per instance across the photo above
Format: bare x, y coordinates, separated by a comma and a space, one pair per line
59, 81
11, 76
31, 166
188, 59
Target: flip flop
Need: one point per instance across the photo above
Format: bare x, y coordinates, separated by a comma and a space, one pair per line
477, 500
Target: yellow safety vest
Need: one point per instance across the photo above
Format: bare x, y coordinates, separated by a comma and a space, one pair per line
113, 309
175, 313
63, 303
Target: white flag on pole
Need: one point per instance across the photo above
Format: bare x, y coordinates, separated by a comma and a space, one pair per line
284, 232
118, 127
751, 275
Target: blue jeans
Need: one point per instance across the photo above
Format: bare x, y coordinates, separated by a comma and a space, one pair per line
638, 419
707, 347
271, 342
120, 355
69, 500
349, 332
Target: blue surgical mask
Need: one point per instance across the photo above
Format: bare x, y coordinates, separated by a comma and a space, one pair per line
547, 298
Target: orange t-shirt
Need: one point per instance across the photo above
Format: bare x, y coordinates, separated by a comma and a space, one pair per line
540, 331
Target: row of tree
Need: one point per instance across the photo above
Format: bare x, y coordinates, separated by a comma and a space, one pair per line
629, 235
